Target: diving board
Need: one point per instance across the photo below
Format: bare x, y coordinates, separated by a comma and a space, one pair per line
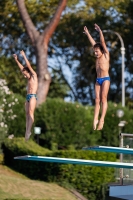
110, 149
75, 161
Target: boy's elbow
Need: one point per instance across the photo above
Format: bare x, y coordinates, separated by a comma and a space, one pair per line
29, 66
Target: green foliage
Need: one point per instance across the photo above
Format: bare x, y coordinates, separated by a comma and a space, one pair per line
11, 73
90, 181
109, 15
17, 83
65, 124
1, 158
4, 91
16, 122
68, 125
7, 115
40, 12
71, 45
110, 133
58, 87
18, 146
12, 105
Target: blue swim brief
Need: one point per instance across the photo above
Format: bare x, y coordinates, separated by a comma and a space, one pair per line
101, 80
29, 96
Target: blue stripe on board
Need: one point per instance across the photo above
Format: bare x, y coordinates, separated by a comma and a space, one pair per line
76, 161
110, 149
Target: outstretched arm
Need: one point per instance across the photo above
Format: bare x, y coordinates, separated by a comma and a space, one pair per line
92, 41
101, 38
27, 62
18, 63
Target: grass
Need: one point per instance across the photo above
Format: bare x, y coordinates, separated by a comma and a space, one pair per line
16, 186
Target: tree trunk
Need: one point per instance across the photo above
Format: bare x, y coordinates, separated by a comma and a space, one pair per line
44, 77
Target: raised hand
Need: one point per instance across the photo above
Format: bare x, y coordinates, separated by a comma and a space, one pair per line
97, 28
22, 53
85, 30
15, 56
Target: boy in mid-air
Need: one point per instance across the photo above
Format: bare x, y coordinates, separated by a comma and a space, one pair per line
31, 97
103, 80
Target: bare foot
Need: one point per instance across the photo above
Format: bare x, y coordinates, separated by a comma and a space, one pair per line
95, 122
27, 136
100, 125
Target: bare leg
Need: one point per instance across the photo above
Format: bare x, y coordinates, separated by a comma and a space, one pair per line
104, 93
27, 113
30, 116
97, 105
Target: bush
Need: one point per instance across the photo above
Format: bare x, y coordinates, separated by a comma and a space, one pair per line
12, 114
16, 122
65, 124
7, 115
88, 180
69, 125
109, 136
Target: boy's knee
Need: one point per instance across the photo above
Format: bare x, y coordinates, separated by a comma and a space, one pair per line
104, 99
97, 100
31, 114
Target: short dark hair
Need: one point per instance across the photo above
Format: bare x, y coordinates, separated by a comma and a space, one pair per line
98, 45
26, 69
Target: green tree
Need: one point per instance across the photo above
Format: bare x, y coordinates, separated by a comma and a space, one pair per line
15, 81
38, 33
58, 87
78, 53
70, 45
11, 73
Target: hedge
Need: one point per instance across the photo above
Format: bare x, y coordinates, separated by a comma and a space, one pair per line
65, 123
68, 125
88, 180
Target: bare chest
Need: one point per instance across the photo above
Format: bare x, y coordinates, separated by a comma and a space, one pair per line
102, 63
32, 85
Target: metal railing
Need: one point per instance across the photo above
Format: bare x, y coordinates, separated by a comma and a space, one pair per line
126, 174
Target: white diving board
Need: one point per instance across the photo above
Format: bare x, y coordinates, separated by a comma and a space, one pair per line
75, 161
110, 149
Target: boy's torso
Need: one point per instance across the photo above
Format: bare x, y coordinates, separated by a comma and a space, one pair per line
32, 85
102, 66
